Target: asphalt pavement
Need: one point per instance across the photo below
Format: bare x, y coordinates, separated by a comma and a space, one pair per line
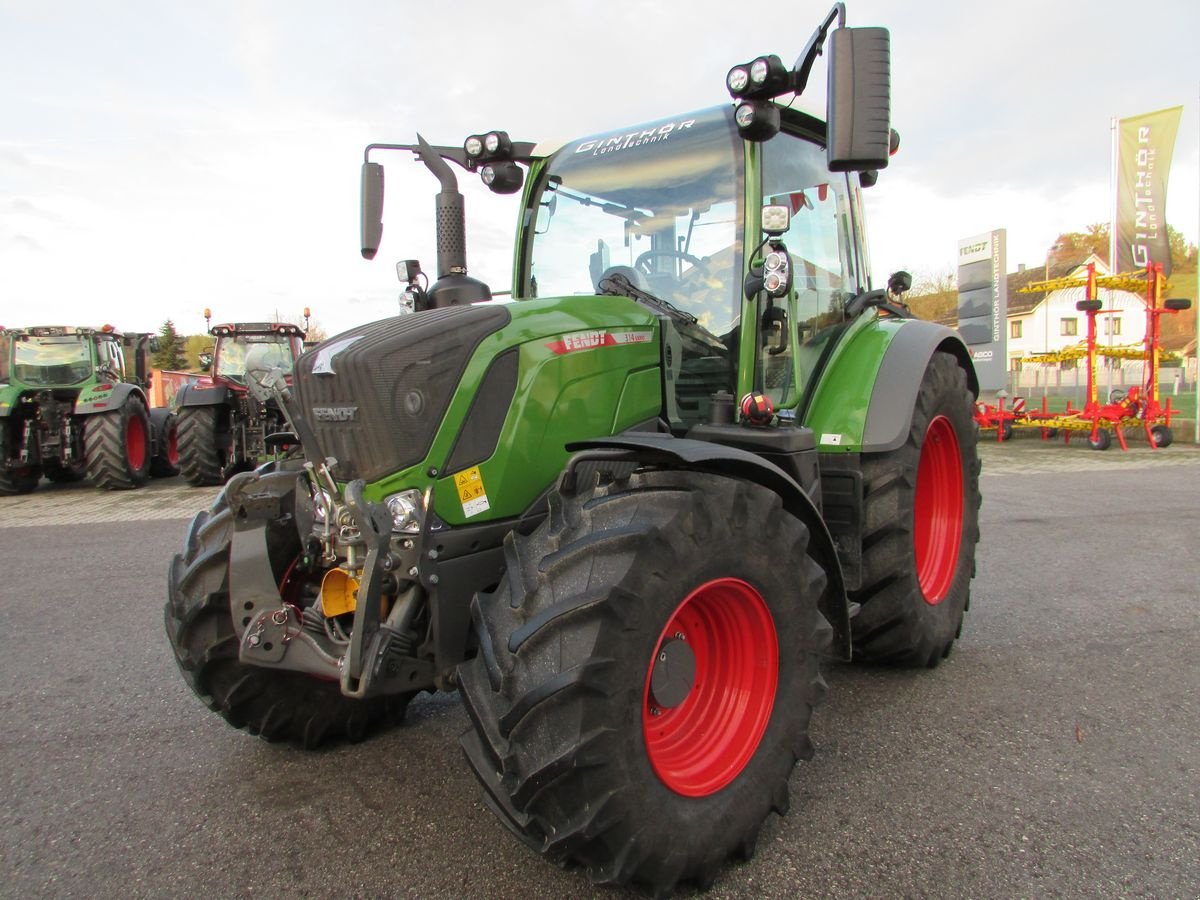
1056, 753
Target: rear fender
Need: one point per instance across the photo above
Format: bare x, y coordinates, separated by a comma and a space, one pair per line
194, 395
867, 391
106, 397
703, 456
900, 374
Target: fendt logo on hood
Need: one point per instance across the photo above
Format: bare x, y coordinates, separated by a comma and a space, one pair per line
334, 413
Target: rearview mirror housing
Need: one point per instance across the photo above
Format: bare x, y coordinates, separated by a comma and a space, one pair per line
859, 99
372, 208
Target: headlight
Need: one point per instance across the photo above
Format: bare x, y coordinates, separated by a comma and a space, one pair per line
407, 511
736, 80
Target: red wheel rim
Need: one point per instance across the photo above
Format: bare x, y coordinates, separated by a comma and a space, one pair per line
135, 442
702, 744
937, 533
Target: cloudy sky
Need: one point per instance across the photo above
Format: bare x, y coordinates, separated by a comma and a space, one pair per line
157, 158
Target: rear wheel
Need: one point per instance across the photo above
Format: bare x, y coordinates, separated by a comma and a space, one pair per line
1162, 435
276, 704
117, 446
201, 460
921, 513
16, 477
646, 675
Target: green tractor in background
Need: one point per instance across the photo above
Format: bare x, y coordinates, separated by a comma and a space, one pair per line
627, 512
73, 403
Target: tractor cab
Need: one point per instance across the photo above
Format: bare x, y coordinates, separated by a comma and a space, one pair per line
59, 356
670, 209
253, 346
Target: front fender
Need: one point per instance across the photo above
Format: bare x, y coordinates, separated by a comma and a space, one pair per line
703, 456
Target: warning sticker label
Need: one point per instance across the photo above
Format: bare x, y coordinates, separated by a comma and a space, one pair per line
471, 493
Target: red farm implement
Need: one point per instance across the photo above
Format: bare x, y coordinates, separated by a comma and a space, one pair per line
1138, 407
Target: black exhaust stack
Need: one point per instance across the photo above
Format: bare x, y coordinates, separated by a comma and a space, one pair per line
453, 287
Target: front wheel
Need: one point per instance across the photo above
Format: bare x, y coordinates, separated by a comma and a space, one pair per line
647, 671
921, 514
62, 473
117, 446
165, 462
1101, 441
276, 704
1162, 436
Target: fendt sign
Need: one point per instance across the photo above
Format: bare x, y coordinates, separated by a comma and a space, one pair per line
983, 305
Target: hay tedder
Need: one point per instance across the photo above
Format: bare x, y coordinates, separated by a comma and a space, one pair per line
1138, 407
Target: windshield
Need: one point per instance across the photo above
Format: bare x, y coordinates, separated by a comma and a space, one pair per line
239, 353
659, 204
52, 360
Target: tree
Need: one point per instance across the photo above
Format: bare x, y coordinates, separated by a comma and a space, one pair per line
934, 297
1076, 246
1183, 254
170, 348
195, 345
316, 332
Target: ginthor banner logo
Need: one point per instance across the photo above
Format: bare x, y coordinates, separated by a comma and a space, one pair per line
1144, 147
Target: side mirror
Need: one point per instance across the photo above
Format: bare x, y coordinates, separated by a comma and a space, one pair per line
372, 208
859, 99
154, 345
205, 362
900, 282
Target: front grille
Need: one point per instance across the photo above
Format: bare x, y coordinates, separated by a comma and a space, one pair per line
380, 391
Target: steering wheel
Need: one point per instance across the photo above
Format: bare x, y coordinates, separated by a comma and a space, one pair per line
642, 263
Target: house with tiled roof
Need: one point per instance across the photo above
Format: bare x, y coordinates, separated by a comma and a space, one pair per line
1048, 322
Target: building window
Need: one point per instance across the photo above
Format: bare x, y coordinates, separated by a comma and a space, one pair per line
1014, 364
1014, 328
1112, 325
1070, 327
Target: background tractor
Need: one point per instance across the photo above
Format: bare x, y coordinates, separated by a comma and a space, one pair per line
627, 513
73, 403
225, 426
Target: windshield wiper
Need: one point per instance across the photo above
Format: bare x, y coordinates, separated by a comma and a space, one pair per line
629, 213
618, 285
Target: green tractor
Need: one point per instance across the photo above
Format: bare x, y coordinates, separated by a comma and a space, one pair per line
73, 404
627, 511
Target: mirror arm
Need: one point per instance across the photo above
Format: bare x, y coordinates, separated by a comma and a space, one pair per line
804, 63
